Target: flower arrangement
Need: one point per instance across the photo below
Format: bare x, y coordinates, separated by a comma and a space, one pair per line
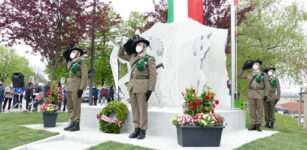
50, 108
199, 110
53, 100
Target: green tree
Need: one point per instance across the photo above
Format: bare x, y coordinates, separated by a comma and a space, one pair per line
136, 21
10, 62
273, 33
105, 37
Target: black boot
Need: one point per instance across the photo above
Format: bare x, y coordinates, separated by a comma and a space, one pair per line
135, 133
75, 127
258, 127
142, 134
272, 125
267, 125
253, 127
69, 126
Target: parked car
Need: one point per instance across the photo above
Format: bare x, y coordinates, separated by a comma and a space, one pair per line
85, 96
284, 110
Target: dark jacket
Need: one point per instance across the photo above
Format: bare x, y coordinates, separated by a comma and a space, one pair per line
95, 92
29, 89
2, 88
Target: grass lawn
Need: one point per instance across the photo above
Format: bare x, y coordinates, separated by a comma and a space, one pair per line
13, 135
110, 145
288, 138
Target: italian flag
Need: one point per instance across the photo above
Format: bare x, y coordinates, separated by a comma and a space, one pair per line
179, 10
183, 9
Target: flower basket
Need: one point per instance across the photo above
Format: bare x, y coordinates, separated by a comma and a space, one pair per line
196, 136
199, 125
50, 119
51, 105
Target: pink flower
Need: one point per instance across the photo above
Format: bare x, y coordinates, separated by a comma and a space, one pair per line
182, 93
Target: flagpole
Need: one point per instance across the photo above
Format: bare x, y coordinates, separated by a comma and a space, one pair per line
233, 53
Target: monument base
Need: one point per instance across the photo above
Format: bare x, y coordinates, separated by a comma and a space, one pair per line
159, 120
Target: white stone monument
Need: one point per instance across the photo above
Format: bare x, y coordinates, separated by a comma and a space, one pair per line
193, 55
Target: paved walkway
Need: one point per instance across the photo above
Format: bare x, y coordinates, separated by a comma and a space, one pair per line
89, 137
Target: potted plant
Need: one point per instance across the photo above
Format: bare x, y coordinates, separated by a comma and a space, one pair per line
51, 105
199, 125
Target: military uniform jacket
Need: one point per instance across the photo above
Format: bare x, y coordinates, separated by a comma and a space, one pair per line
140, 81
256, 86
273, 90
78, 75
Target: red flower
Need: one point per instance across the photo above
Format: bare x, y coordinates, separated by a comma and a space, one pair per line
212, 111
191, 105
217, 102
207, 97
182, 94
193, 91
199, 111
199, 102
212, 97
49, 93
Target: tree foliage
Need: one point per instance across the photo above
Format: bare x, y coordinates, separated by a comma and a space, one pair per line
106, 34
48, 26
10, 62
158, 15
273, 33
217, 14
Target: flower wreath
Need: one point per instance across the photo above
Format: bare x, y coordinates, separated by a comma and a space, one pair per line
109, 124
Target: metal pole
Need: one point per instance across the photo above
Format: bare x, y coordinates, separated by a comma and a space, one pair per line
305, 107
299, 109
120, 67
233, 53
92, 56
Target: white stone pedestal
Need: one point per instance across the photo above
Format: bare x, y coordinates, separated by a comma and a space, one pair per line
160, 120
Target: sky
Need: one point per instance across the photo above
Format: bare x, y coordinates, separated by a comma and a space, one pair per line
123, 7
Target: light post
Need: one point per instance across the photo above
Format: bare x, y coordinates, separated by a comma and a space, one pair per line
92, 55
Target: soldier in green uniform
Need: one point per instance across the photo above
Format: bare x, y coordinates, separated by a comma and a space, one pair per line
142, 82
257, 84
273, 96
76, 83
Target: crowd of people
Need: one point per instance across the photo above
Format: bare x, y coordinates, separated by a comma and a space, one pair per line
33, 94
